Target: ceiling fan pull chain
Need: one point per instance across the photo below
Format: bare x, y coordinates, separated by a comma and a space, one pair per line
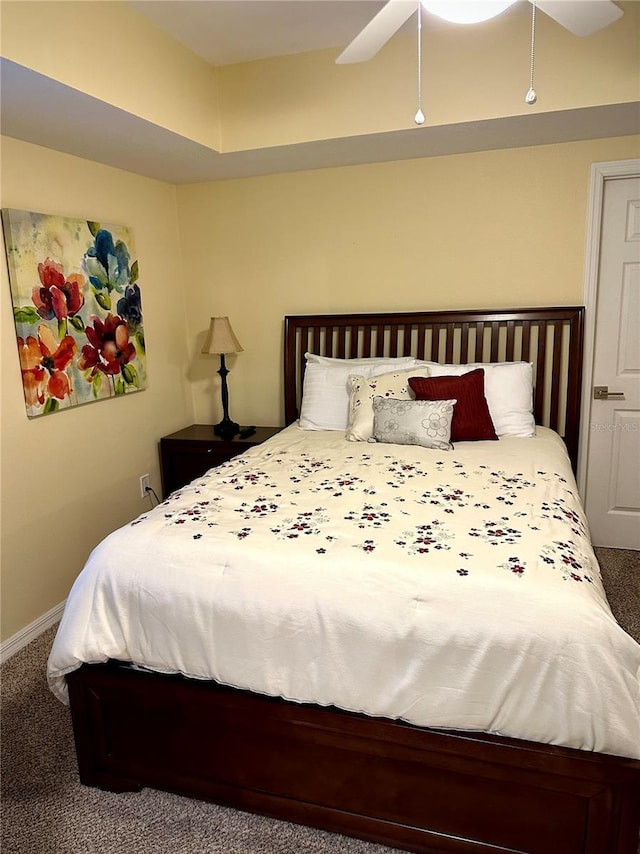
531, 97
419, 116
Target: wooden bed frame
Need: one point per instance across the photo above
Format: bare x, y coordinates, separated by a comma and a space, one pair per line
422, 790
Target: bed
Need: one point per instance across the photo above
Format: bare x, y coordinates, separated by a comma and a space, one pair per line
325, 757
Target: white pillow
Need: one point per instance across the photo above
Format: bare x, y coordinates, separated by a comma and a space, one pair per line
413, 422
325, 397
508, 388
364, 389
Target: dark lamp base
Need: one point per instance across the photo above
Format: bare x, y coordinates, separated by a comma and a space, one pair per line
226, 429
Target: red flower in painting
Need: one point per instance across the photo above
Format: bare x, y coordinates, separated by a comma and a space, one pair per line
58, 295
109, 348
43, 361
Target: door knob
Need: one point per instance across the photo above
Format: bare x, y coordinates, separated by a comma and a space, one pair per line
601, 392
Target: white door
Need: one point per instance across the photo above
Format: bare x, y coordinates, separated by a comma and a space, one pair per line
612, 498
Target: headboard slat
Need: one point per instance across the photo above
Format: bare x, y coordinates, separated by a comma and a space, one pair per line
539, 366
479, 357
353, 343
511, 335
393, 341
435, 342
554, 412
526, 341
366, 340
449, 341
495, 341
551, 338
464, 342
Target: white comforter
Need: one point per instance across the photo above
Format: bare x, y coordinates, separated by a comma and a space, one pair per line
450, 589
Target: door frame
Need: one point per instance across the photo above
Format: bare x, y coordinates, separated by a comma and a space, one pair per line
600, 173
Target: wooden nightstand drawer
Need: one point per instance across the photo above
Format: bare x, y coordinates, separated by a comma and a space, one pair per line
190, 452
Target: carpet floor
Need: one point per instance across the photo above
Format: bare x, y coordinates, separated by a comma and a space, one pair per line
45, 810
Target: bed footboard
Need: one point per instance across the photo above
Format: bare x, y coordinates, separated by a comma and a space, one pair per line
385, 781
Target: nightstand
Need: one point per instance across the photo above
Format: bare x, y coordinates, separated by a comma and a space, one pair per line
190, 452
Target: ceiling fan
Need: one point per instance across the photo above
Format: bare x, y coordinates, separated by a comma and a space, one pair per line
581, 17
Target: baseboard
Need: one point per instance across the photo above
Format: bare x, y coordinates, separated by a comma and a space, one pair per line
31, 632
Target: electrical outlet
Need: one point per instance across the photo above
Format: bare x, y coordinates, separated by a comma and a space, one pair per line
144, 485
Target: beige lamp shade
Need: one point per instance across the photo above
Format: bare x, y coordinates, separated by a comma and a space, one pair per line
221, 337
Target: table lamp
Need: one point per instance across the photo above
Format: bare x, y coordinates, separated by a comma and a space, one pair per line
221, 340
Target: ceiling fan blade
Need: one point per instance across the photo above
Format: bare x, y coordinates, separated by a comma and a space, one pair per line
581, 17
378, 31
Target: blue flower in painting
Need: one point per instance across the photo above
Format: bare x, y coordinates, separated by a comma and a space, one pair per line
130, 306
107, 265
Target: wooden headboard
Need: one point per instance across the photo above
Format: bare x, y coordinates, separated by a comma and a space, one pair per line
550, 338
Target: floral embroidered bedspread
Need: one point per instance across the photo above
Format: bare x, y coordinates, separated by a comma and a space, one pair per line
450, 589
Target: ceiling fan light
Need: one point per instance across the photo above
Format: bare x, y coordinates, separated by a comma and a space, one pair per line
466, 11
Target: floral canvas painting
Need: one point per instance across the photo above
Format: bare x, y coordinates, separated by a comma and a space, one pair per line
77, 309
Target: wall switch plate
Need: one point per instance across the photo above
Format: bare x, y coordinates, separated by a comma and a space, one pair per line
144, 485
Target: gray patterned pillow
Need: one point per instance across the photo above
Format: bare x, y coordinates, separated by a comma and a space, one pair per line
413, 422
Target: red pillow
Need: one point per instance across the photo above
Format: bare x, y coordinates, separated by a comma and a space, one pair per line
471, 417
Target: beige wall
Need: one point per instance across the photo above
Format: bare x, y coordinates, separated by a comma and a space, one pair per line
476, 230
469, 74
69, 478
112, 52
489, 229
